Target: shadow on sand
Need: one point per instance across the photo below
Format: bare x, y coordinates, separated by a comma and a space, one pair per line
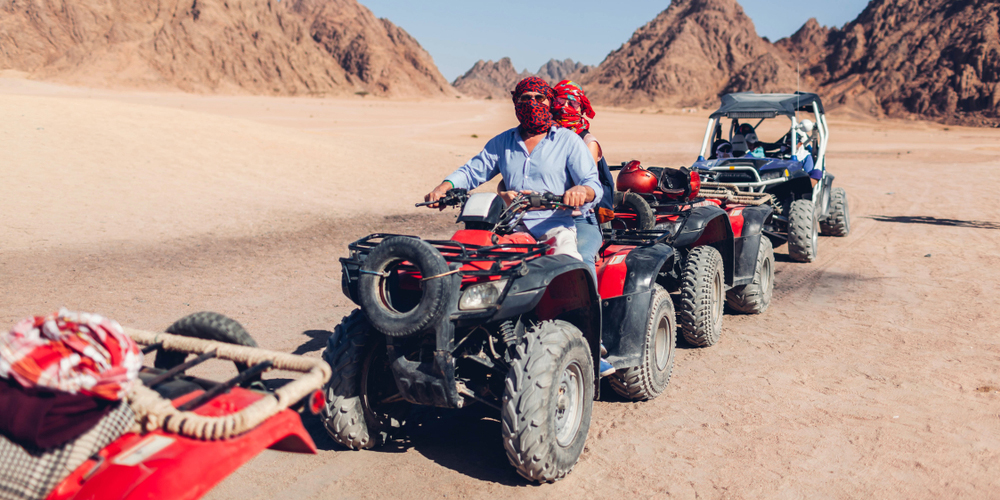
317, 341
466, 441
922, 219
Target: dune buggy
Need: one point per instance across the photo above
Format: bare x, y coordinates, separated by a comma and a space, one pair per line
490, 317
792, 169
716, 232
192, 432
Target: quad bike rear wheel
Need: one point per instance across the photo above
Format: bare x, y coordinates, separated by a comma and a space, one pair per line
363, 405
838, 221
702, 294
650, 378
204, 325
547, 401
756, 296
803, 231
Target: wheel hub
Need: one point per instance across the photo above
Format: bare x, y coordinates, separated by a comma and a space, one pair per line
569, 404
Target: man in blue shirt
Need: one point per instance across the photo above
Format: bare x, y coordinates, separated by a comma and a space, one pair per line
537, 155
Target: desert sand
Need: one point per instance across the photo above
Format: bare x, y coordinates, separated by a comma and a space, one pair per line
875, 373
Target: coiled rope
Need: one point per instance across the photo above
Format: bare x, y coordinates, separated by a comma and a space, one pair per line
154, 412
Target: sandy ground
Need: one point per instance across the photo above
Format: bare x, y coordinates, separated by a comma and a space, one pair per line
875, 373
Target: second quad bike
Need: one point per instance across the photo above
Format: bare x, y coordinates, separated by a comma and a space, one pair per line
717, 234
492, 317
806, 203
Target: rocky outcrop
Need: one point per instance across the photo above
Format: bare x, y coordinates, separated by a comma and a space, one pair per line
239, 46
376, 54
936, 59
490, 80
688, 55
556, 71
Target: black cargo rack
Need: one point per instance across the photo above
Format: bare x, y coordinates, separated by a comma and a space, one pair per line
514, 254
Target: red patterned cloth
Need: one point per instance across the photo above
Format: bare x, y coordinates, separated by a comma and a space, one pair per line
71, 352
565, 112
534, 116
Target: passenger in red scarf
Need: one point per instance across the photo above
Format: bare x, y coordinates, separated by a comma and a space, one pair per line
533, 112
571, 108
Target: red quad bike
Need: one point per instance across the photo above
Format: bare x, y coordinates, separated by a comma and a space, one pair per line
716, 233
491, 317
207, 429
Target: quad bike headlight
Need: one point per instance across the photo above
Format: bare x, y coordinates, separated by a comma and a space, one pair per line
482, 295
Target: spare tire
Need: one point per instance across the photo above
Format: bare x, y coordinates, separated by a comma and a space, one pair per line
204, 325
635, 204
377, 286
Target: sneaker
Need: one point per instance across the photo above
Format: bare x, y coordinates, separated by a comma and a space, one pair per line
604, 351
606, 368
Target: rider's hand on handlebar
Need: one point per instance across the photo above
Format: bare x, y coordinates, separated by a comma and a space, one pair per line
437, 194
509, 196
576, 196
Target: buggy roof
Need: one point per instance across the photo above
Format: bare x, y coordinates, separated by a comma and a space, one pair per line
753, 105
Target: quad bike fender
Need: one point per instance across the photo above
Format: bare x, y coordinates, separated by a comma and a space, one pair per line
709, 225
624, 317
558, 287
748, 243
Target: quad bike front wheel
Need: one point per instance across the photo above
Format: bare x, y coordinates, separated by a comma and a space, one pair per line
838, 221
547, 401
204, 325
803, 231
756, 296
363, 404
650, 378
702, 294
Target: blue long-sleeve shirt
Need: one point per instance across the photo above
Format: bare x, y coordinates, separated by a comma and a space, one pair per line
560, 161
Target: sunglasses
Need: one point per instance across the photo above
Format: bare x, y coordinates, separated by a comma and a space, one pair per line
539, 98
562, 101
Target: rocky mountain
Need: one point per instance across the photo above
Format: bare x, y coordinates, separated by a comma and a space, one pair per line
292, 47
687, 56
490, 80
556, 71
937, 59
495, 80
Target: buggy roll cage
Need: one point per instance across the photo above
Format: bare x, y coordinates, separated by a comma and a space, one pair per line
750, 105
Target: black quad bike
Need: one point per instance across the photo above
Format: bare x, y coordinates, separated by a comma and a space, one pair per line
802, 211
489, 317
716, 232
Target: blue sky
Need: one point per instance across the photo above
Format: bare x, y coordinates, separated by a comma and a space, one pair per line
457, 33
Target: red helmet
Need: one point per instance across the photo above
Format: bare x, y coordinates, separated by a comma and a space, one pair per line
635, 178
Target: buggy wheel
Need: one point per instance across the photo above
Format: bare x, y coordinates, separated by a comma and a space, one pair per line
363, 405
632, 203
755, 297
702, 295
207, 326
650, 378
838, 222
802, 231
547, 401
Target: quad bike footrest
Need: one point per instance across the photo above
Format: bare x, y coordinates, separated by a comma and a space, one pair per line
427, 383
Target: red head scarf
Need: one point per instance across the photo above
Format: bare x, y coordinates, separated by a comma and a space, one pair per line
565, 113
534, 116
71, 352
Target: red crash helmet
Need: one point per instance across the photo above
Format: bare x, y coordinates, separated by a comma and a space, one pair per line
635, 178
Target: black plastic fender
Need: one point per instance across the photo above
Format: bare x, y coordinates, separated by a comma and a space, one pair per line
623, 318
709, 225
527, 291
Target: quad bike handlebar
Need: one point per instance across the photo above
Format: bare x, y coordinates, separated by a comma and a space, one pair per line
453, 197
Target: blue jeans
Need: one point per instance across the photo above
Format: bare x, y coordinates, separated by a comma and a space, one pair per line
588, 238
